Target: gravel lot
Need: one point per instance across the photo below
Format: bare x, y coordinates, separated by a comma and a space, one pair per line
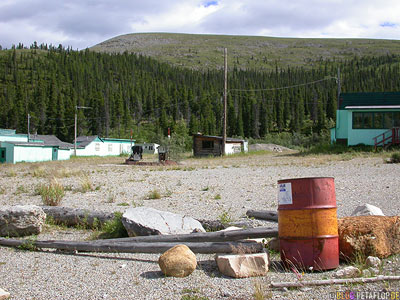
201, 188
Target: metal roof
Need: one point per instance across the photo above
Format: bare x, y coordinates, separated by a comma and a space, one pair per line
85, 140
218, 138
364, 100
51, 140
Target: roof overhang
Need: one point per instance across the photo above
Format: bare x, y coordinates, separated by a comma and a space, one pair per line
374, 107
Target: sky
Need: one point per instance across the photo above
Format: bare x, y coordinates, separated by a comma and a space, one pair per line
84, 23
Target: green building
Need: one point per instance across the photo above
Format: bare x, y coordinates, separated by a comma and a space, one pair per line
367, 118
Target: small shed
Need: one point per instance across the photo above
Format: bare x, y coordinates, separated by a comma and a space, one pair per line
367, 118
205, 145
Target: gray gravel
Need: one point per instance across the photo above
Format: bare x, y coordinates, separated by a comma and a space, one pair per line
201, 188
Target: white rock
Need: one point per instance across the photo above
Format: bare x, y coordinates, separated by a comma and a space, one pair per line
149, 221
243, 265
21, 220
348, 272
373, 261
367, 210
4, 294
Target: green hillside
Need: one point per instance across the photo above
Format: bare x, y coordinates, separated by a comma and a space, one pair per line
201, 52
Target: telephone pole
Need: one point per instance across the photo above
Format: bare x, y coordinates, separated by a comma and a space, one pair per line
225, 98
29, 119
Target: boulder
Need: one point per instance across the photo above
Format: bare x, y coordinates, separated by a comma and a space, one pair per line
21, 220
348, 272
243, 265
149, 221
274, 245
367, 210
4, 294
369, 235
179, 261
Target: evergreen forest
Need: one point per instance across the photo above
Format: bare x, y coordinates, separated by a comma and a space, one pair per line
133, 94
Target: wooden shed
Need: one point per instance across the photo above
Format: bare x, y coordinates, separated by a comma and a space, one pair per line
205, 145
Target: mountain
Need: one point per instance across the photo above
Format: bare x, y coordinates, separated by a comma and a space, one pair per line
202, 52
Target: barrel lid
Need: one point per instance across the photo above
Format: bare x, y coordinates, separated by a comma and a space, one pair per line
303, 178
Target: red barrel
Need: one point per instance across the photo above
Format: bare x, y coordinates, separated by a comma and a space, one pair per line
307, 223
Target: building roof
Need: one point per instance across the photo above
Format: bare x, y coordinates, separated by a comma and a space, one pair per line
50, 140
369, 100
83, 141
228, 139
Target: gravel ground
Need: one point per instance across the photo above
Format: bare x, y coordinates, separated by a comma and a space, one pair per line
201, 188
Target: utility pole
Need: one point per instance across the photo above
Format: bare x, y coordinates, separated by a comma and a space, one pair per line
338, 87
225, 98
29, 119
76, 122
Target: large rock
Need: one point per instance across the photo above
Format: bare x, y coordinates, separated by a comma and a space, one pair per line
243, 265
348, 272
369, 235
367, 210
21, 220
149, 221
179, 261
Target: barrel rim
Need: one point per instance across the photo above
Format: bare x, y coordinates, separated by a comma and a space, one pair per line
302, 178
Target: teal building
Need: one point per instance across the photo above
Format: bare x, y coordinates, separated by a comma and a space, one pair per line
367, 118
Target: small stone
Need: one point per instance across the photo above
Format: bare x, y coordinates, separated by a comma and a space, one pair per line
4, 294
373, 261
123, 266
367, 273
179, 261
243, 265
348, 272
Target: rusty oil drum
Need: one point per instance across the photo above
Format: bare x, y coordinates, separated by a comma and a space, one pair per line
307, 223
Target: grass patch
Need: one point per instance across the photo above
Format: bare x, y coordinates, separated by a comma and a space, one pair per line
395, 158
51, 193
86, 184
225, 218
114, 228
154, 194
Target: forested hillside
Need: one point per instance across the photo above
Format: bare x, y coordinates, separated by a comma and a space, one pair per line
129, 92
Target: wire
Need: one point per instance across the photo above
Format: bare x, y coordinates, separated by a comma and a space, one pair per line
285, 87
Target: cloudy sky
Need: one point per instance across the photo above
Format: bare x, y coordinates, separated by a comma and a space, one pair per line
84, 23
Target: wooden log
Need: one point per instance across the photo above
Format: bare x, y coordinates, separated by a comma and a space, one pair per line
268, 215
207, 248
333, 281
75, 216
220, 236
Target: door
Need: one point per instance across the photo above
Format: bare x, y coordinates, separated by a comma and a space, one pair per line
55, 154
2, 155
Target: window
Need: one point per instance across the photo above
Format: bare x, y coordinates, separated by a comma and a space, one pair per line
109, 147
97, 147
207, 144
376, 120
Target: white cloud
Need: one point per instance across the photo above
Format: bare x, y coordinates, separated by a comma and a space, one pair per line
83, 23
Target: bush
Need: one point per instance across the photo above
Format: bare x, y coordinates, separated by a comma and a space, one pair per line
395, 158
51, 193
114, 228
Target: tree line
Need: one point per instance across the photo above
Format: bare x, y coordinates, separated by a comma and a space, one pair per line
132, 93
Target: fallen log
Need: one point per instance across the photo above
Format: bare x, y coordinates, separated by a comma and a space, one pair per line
220, 236
333, 281
75, 216
206, 248
268, 215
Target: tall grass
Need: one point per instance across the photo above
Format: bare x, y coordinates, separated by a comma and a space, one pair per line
51, 193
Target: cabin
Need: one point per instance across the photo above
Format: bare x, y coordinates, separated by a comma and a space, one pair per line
205, 145
31, 148
97, 146
367, 118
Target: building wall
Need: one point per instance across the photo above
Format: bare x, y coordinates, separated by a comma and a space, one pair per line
65, 154
32, 153
100, 148
14, 138
198, 147
232, 148
9, 152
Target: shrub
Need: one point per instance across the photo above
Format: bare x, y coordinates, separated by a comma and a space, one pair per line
154, 194
114, 228
395, 158
51, 193
86, 184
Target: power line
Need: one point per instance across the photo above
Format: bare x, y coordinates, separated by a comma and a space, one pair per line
285, 87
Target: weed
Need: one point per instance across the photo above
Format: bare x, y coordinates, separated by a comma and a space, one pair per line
2, 190
11, 173
190, 294
21, 190
217, 197
39, 171
114, 228
123, 204
29, 244
205, 189
154, 194
86, 184
111, 198
51, 193
225, 217
395, 158
258, 291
